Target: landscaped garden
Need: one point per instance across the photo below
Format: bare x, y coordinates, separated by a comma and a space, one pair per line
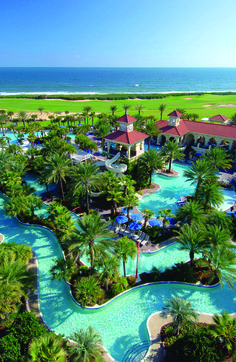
200, 229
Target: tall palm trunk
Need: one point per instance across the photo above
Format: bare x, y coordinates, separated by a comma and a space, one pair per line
87, 200
62, 193
91, 254
124, 268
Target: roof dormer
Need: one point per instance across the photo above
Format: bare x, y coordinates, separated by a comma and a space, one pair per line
174, 118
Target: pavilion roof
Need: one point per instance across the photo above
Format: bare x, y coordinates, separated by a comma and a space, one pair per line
126, 118
128, 138
219, 117
175, 113
186, 126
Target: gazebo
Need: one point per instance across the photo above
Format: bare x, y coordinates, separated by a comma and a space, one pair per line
126, 140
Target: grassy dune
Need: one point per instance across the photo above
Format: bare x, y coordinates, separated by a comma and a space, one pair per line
205, 105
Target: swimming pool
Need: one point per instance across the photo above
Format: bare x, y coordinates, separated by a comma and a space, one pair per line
122, 322
172, 188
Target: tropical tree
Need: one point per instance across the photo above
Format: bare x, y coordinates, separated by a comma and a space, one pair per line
210, 194
181, 311
192, 240
87, 290
162, 108
152, 161
151, 129
22, 117
222, 262
218, 158
171, 151
86, 111
113, 109
47, 348
125, 248
165, 213
109, 270
217, 217
56, 168
147, 216
126, 107
3, 119
139, 108
130, 200
225, 328
199, 172
216, 236
102, 131
92, 237
85, 177
191, 212
87, 347
62, 269
115, 195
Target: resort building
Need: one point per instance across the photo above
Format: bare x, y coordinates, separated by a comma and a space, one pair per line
199, 136
127, 141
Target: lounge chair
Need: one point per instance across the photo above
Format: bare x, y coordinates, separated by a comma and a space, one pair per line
123, 229
136, 236
145, 240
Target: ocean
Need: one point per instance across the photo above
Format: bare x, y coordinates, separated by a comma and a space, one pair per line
115, 80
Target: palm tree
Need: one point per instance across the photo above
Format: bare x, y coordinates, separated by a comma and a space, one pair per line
162, 108
130, 200
125, 248
216, 236
164, 213
181, 310
152, 161
113, 109
218, 158
88, 290
225, 328
126, 107
86, 111
216, 217
210, 194
3, 119
110, 270
192, 212
22, 117
102, 131
152, 130
47, 348
56, 168
15, 206
222, 262
87, 347
92, 237
86, 177
191, 239
62, 269
171, 151
200, 172
147, 216
139, 108
115, 195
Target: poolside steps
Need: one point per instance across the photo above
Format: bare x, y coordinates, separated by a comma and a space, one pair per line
137, 352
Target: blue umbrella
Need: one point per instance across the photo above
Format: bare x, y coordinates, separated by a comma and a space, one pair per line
172, 220
136, 217
154, 222
230, 213
121, 219
124, 210
135, 226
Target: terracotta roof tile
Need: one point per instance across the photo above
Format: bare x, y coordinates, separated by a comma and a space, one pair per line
219, 117
126, 118
126, 137
175, 113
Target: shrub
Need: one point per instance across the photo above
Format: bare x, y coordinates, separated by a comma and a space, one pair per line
88, 291
26, 327
120, 286
10, 349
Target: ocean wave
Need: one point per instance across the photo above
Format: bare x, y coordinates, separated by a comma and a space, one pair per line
113, 92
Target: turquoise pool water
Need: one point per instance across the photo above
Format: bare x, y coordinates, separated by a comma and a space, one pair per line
172, 188
122, 322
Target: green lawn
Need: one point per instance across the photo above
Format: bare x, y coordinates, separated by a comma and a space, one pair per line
192, 104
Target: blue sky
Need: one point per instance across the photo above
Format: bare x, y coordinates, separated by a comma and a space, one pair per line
106, 33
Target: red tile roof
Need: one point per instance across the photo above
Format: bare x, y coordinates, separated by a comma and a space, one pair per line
175, 113
126, 137
126, 118
175, 131
186, 126
219, 117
